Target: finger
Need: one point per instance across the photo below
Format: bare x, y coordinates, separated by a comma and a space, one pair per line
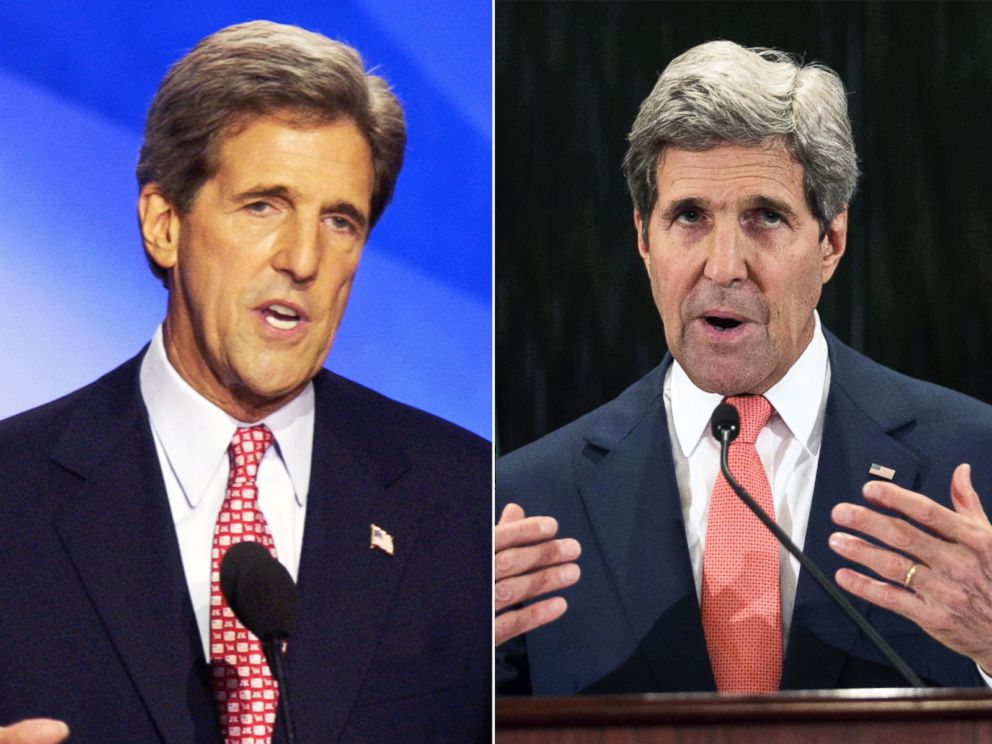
34, 731
511, 513
894, 532
964, 497
919, 508
517, 561
517, 589
880, 593
885, 563
948, 617
524, 532
516, 622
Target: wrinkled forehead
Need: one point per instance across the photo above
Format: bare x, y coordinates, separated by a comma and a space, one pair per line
729, 173
296, 117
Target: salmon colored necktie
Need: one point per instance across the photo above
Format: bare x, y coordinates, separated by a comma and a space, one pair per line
741, 603
246, 693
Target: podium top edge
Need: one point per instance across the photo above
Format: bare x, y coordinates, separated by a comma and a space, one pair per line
807, 705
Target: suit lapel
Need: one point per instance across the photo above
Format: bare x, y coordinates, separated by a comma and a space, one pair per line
345, 587
861, 413
117, 531
633, 504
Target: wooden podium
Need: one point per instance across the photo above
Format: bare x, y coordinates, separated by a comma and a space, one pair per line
892, 716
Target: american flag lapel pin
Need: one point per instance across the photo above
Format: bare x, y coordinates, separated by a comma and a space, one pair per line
381, 539
880, 471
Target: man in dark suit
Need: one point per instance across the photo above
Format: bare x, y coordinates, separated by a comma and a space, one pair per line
269, 154
741, 166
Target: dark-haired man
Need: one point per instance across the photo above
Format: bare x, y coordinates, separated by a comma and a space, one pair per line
269, 154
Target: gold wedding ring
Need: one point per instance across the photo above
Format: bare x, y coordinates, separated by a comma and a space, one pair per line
909, 577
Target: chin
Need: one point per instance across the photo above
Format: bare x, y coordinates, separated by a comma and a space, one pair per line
278, 373
726, 381
275, 390
718, 386
263, 387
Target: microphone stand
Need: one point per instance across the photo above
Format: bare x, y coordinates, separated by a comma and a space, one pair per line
908, 674
273, 652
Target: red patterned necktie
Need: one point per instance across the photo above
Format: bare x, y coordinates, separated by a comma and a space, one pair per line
246, 693
741, 606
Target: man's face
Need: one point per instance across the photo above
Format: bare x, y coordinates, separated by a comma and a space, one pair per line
736, 263
262, 263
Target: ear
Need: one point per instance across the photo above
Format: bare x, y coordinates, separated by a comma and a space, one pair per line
833, 244
642, 245
159, 222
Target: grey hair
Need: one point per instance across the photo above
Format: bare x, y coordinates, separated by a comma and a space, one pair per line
255, 69
722, 93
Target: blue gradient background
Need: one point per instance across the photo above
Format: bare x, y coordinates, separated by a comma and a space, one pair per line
75, 81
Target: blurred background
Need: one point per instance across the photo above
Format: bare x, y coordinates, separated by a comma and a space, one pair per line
75, 81
575, 323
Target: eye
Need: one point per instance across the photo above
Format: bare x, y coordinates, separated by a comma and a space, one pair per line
339, 223
259, 207
763, 218
689, 217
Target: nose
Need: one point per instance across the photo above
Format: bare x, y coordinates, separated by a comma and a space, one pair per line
726, 254
298, 252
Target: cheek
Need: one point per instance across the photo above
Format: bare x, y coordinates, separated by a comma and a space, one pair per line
799, 295
217, 289
810, 285
669, 296
338, 273
207, 268
670, 285
667, 299
199, 288
221, 303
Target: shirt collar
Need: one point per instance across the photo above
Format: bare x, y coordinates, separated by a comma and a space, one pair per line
790, 397
195, 434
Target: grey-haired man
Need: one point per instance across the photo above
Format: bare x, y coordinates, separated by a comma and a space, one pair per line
741, 166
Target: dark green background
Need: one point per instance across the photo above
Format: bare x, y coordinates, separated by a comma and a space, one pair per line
575, 323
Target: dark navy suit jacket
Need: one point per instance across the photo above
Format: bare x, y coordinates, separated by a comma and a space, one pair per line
96, 624
633, 621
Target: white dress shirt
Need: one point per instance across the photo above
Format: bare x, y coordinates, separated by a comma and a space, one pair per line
789, 448
191, 437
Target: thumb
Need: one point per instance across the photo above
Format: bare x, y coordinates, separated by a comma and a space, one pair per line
963, 495
34, 731
511, 513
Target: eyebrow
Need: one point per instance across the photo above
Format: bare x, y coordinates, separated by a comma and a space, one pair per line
679, 206
346, 207
758, 201
342, 206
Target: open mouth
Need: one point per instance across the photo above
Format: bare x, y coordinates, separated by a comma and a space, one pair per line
720, 323
281, 317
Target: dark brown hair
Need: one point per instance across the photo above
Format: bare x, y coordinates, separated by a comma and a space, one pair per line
254, 69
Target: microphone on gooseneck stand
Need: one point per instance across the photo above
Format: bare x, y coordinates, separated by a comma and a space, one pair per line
262, 595
726, 425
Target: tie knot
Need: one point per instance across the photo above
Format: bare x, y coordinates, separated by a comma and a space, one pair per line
755, 410
247, 447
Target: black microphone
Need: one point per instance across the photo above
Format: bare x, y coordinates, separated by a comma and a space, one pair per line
262, 595
725, 420
725, 425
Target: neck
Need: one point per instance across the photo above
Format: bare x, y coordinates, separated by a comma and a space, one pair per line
236, 400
